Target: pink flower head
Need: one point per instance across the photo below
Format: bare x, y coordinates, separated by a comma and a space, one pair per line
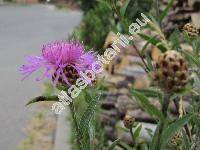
56, 58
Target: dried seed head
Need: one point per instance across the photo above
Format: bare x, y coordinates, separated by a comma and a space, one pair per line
191, 30
176, 139
128, 121
171, 71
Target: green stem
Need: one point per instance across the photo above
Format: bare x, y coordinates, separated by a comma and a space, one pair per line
78, 135
141, 57
161, 126
165, 104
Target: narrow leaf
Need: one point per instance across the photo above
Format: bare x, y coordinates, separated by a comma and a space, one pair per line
136, 133
155, 137
125, 146
115, 143
153, 19
149, 63
194, 59
144, 146
196, 45
151, 109
42, 99
166, 10
124, 7
146, 44
175, 40
153, 41
187, 38
169, 132
151, 93
186, 140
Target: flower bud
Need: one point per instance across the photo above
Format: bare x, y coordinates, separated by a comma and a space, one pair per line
171, 71
128, 121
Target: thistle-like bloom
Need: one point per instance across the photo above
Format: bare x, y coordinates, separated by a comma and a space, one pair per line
62, 61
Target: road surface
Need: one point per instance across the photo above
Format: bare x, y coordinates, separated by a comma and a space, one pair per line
23, 29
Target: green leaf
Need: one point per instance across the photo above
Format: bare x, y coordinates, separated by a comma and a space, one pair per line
194, 58
186, 140
123, 8
184, 91
153, 41
147, 43
197, 82
196, 45
166, 10
149, 63
88, 114
187, 38
137, 131
115, 143
153, 19
42, 99
151, 109
169, 132
144, 146
175, 39
125, 146
196, 120
155, 136
105, 3
155, 93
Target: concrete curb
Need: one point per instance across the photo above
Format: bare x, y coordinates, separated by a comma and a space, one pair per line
63, 132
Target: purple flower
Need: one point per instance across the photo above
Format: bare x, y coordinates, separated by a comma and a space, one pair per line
61, 60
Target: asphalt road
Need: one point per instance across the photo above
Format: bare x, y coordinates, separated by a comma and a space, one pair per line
23, 29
